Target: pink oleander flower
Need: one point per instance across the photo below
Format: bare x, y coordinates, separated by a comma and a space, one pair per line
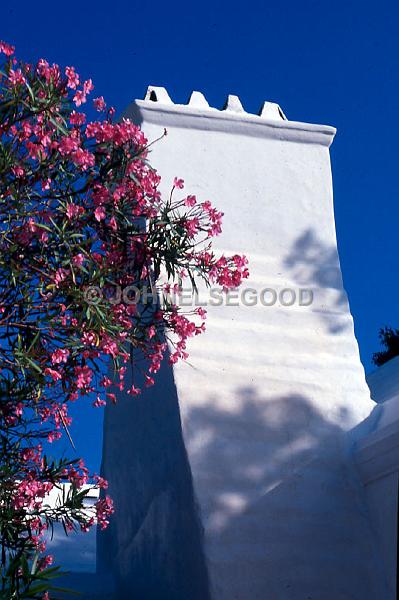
84, 376
100, 482
98, 402
72, 77
178, 183
53, 436
109, 346
43, 69
68, 144
55, 375
16, 77
79, 98
104, 508
191, 226
190, 201
73, 210
99, 213
60, 276
88, 86
99, 104
78, 260
149, 381
46, 184
105, 382
45, 562
6, 49
134, 391
77, 118
83, 158
81, 95
60, 356
89, 338
18, 171
111, 396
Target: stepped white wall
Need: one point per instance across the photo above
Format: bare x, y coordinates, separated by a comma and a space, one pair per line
268, 391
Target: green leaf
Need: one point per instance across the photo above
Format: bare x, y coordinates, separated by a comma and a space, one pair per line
33, 364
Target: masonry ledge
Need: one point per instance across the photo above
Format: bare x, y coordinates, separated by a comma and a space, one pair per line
186, 116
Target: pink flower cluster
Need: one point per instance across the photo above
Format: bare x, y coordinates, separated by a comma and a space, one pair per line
6, 49
70, 146
29, 493
117, 133
229, 272
104, 508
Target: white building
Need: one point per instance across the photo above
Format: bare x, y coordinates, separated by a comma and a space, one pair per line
255, 471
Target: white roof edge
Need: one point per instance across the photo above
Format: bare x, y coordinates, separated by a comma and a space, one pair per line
384, 381
377, 454
192, 116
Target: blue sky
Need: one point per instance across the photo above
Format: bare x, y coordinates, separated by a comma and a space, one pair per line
322, 61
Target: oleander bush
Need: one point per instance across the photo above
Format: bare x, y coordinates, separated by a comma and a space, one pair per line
81, 216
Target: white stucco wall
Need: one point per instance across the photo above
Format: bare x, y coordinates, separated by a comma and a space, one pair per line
377, 457
268, 391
